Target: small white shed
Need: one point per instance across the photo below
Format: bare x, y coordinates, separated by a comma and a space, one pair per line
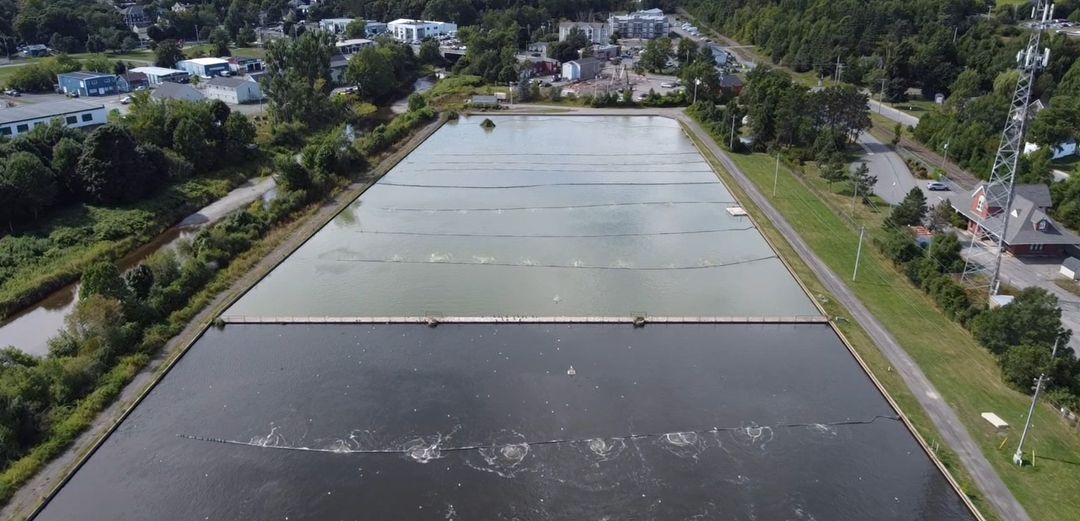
1070, 268
995, 420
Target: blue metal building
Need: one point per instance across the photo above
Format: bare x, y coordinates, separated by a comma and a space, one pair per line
87, 83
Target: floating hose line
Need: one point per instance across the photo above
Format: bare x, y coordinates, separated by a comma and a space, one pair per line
540, 185
565, 207
753, 432
558, 266
555, 236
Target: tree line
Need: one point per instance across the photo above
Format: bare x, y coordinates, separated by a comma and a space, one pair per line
120, 162
780, 113
953, 48
122, 318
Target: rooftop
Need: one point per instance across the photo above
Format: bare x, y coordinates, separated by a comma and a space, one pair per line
408, 21
206, 61
231, 81
1027, 211
84, 75
588, 60
180, 91
654, 14
157, 71
355, 41
45, 110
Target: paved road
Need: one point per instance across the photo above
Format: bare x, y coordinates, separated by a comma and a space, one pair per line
894, 180
944, 418
898, 116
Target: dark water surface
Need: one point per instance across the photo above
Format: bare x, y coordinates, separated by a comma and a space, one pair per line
727, 422
543, 216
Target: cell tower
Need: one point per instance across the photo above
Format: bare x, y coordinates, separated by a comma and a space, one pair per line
983, 265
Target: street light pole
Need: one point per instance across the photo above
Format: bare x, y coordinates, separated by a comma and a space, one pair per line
1018, 457
697, 81
946, 158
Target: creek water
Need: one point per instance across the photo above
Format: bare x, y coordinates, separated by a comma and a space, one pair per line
554, 215
30, 329
480, 421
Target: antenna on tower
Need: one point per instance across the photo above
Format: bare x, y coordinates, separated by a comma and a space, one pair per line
983, 265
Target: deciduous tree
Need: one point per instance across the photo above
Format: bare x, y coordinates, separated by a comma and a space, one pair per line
167, 53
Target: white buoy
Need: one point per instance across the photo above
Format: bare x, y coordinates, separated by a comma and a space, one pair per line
556, 299
571, 371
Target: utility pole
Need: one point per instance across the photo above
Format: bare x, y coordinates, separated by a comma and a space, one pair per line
858, 253
731, 142
776, 174
854, 193
1018, 457
999, 190
881, 97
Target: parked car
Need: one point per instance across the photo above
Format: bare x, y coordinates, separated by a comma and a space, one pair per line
125, 100
936, 185
668, 85
13, 93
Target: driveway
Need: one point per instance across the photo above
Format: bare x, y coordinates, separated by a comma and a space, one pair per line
894, 180
1040, 273
239, 197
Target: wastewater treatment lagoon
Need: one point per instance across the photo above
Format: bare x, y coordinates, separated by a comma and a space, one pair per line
542, 216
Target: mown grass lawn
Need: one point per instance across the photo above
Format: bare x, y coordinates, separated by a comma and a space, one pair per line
963, 372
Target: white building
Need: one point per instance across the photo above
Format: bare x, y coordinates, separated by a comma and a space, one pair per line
205, 67
582, 69
596, 32
159, 75
233, 91
74, 114
648, 24
353, 46
413, 31
334, 25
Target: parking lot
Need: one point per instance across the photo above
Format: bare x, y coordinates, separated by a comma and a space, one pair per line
111, 102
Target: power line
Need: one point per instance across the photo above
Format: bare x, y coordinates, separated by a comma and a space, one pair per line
563, 207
